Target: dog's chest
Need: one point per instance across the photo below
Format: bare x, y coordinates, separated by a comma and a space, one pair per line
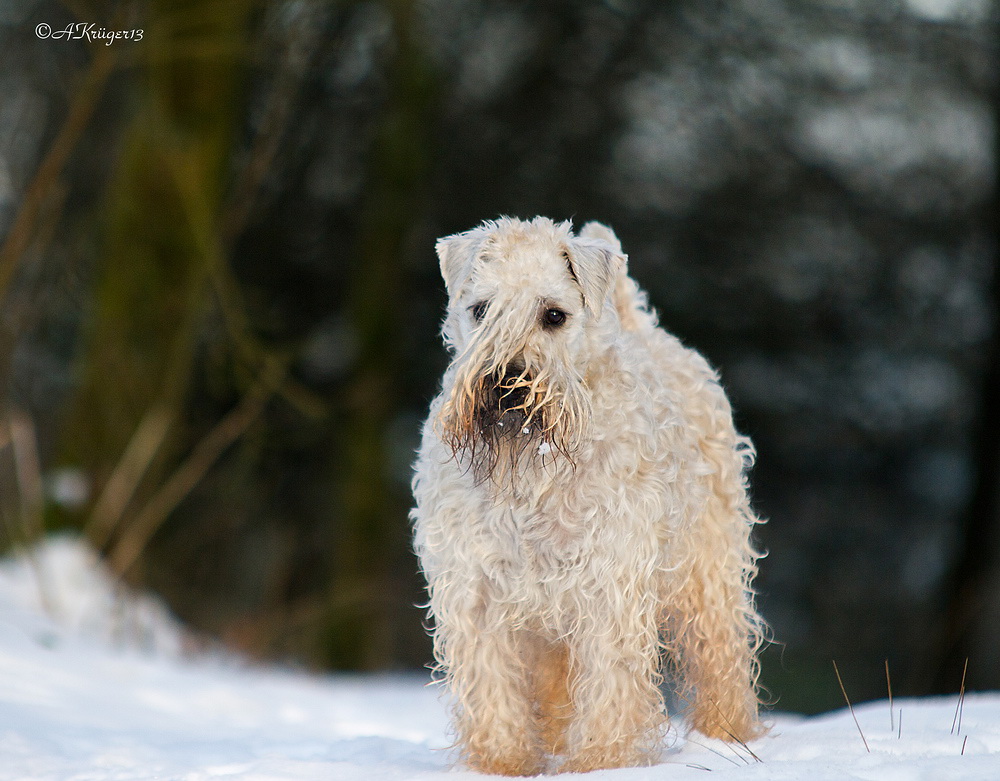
532, 542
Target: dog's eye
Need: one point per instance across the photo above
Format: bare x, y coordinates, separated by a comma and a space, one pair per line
554, 318
478, 311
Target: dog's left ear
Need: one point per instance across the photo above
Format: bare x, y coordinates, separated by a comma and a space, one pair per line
595, 264
597, 230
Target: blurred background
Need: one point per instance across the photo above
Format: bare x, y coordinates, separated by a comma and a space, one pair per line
219, 300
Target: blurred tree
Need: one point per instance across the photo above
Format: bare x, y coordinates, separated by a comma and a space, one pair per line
365, 604
962, 643
160, 251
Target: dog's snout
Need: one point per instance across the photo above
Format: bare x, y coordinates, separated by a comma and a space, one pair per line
509, 396
510, 389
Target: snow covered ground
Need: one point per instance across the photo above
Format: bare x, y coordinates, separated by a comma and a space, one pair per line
96, 687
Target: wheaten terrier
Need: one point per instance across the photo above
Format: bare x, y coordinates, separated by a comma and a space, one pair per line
581, 512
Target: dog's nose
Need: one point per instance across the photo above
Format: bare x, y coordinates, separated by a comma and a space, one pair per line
510, 390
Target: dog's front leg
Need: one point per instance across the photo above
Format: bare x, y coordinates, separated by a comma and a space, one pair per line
618, 708
482, 655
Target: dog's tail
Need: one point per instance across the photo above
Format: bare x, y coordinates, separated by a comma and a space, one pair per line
630, 301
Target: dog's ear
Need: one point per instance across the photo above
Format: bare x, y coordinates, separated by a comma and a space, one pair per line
456, 254
597, 230
595, 264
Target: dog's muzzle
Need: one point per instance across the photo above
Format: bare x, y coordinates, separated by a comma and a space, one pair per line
505, 409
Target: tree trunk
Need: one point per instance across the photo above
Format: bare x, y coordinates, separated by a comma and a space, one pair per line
159, 239
368, 601
970, 628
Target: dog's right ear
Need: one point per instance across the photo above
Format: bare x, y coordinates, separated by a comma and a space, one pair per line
456, 254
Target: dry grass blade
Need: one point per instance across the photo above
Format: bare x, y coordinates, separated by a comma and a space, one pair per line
31, 498
142, 528
128, 472
728, 729
28, 473
888, 684
850, 706
956, 723
719, 753
966, 740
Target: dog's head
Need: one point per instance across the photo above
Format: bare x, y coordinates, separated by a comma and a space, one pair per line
529, 307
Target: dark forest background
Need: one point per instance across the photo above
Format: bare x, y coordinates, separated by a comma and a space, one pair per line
219, 300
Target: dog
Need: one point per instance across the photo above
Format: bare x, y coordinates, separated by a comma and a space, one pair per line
581, 512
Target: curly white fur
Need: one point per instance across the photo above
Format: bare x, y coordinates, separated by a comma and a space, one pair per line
603, 534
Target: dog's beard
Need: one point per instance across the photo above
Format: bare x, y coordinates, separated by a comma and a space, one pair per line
505, 422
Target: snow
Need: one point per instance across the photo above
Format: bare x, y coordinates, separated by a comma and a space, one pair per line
98, 684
